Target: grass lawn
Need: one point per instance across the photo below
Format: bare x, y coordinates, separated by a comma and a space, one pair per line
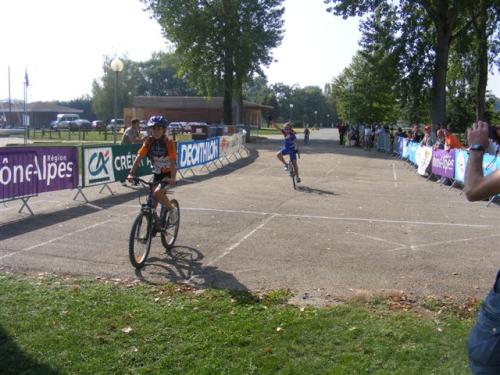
52, 325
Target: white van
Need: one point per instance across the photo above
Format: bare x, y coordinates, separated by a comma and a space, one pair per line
64, 120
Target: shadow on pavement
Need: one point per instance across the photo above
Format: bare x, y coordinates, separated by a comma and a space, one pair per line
14, 361
33, 223
307, 189
182, 264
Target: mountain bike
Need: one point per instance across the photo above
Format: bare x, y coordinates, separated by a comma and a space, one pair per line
291, 169
148, 224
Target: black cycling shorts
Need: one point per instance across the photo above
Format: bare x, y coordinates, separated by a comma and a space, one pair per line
158, 179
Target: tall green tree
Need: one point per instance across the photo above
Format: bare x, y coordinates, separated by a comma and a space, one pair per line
448, 20
221, 43
485, 16
130, 80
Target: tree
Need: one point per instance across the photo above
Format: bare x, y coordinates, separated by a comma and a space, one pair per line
448, 20
221, 43
130, 82
158, 76
485, 16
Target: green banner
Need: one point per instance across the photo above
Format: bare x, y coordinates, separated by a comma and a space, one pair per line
106, 164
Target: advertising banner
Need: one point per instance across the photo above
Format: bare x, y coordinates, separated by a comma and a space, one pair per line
230, 145
423, 157
489, 164
404, 148
191, 154
443, 163
106, 164
28, 171
398, 145
412, 152
461, 157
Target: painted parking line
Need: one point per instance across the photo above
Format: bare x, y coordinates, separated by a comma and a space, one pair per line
337, 218
238, 243
26, 249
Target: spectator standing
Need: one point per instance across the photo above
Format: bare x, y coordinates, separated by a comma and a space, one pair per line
415, 135
483, 343
439, 144
368, 138
427, 139
450, 141
132, 134
342, 132
306, 136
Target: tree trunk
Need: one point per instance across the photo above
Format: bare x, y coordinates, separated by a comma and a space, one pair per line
482, 63
438, 93
239, 99
227, 105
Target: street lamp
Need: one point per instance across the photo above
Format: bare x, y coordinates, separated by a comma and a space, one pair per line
316, 118
291, 111
116, 66
327, 120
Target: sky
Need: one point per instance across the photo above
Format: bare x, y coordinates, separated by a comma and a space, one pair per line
62, 43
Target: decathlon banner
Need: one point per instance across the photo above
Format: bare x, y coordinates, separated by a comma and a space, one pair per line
443, 163
28, 171
423, 157
106, 164
191, 154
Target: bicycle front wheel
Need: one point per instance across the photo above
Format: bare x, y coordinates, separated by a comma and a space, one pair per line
169, 232
140, 240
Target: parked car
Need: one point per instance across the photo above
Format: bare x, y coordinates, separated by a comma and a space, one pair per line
176, 127
187, 127
81, 124
116, 123
64, 121
98, 125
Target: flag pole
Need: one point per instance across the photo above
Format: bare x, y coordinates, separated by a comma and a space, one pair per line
10, 100
25, 119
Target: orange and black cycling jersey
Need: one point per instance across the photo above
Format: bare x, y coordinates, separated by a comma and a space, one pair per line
161, 152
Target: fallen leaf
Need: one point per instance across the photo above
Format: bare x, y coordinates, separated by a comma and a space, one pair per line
126, 330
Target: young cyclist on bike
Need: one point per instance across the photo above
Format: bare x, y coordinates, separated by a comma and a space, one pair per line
162, 153
290, 147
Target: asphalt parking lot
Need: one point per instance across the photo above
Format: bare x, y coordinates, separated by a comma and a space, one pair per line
359, 221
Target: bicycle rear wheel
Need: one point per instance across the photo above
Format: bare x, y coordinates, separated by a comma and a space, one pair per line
169, 232
140, 240
292, 173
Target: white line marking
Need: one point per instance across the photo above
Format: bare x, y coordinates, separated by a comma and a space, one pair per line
413, 247
394, 175
337, 218
54, 239
235, 245
377, 239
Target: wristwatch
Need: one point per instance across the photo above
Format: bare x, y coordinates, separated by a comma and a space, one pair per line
476, 147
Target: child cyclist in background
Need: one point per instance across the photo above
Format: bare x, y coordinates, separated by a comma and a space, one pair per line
162, 153
290, 147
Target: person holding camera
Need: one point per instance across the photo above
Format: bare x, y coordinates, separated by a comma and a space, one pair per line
484, 340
